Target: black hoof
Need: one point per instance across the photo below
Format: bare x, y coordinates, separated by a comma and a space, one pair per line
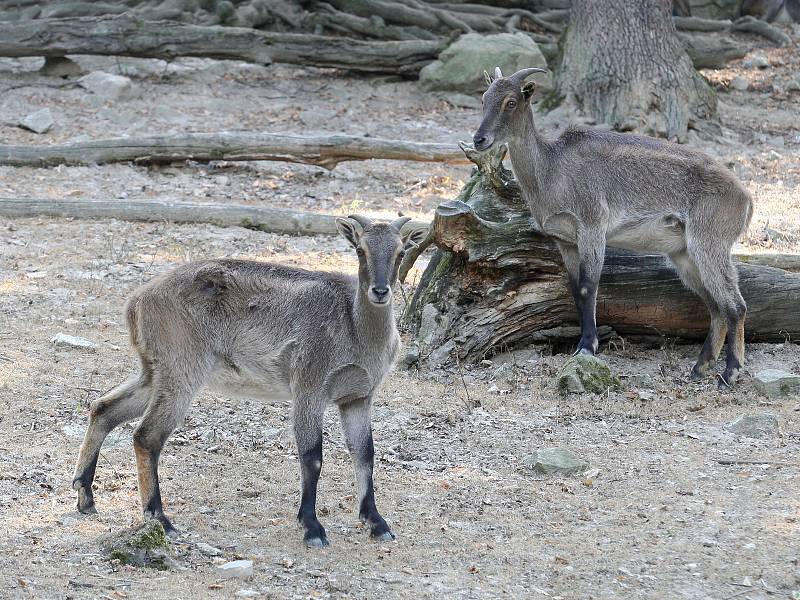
87, 509
169, 528
379, 529
386, 536
583, 350
315, 537
696, 375
86, 502
316, 542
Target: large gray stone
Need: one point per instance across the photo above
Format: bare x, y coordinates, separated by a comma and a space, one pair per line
107, 86
461, 65
775, 383
555, 460
237, 569
586, 373
39, 122
755, 426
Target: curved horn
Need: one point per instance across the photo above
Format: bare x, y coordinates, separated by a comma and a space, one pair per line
487, 77
524, 73
397, 224
361, 220
497, 73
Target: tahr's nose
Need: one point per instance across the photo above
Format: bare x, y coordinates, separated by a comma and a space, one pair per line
380, 292
478, 139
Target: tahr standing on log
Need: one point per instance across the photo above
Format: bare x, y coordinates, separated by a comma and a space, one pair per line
591, 187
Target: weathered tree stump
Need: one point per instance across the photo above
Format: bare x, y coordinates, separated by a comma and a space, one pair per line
494, 283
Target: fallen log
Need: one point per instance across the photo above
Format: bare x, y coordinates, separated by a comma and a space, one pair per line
495, 283
126, 35
272, 220
322, 150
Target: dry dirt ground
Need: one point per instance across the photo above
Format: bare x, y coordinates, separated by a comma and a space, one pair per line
661, 517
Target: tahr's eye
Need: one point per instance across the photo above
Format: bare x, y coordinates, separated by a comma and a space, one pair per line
402, 254
511, 103
360, 251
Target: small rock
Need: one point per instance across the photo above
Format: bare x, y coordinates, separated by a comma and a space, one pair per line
247, 594
755, 426
237, 569
777, 140
208, 549
106, 85
592, 473
62, 339
740, 83
441, 354
757, 61
411, 356
555, 460
60, 66
586, 373
793, 85
775, 383
39, 122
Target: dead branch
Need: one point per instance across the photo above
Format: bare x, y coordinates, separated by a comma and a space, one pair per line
323, 150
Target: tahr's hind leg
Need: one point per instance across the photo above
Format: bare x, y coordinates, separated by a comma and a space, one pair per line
357, 427
170, 402
709, 353
123, 403
720, 279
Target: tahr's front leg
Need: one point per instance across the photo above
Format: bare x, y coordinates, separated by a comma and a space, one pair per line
357, 427
583, 264
308, 434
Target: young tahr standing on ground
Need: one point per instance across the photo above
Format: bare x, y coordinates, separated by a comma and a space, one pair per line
261, 330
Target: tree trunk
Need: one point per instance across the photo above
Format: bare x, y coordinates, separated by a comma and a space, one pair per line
125, 35
495, 283
321, 150
624, 65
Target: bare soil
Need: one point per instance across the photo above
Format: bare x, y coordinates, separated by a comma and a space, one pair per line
659, 517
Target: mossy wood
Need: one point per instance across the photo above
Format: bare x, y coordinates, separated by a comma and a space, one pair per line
495, 283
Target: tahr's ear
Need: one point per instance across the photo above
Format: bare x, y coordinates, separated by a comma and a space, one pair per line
350, 230
413, 237
527, 90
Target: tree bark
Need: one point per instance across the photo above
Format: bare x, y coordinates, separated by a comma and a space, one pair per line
495, 283
324, 151
624, 65
125, 35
